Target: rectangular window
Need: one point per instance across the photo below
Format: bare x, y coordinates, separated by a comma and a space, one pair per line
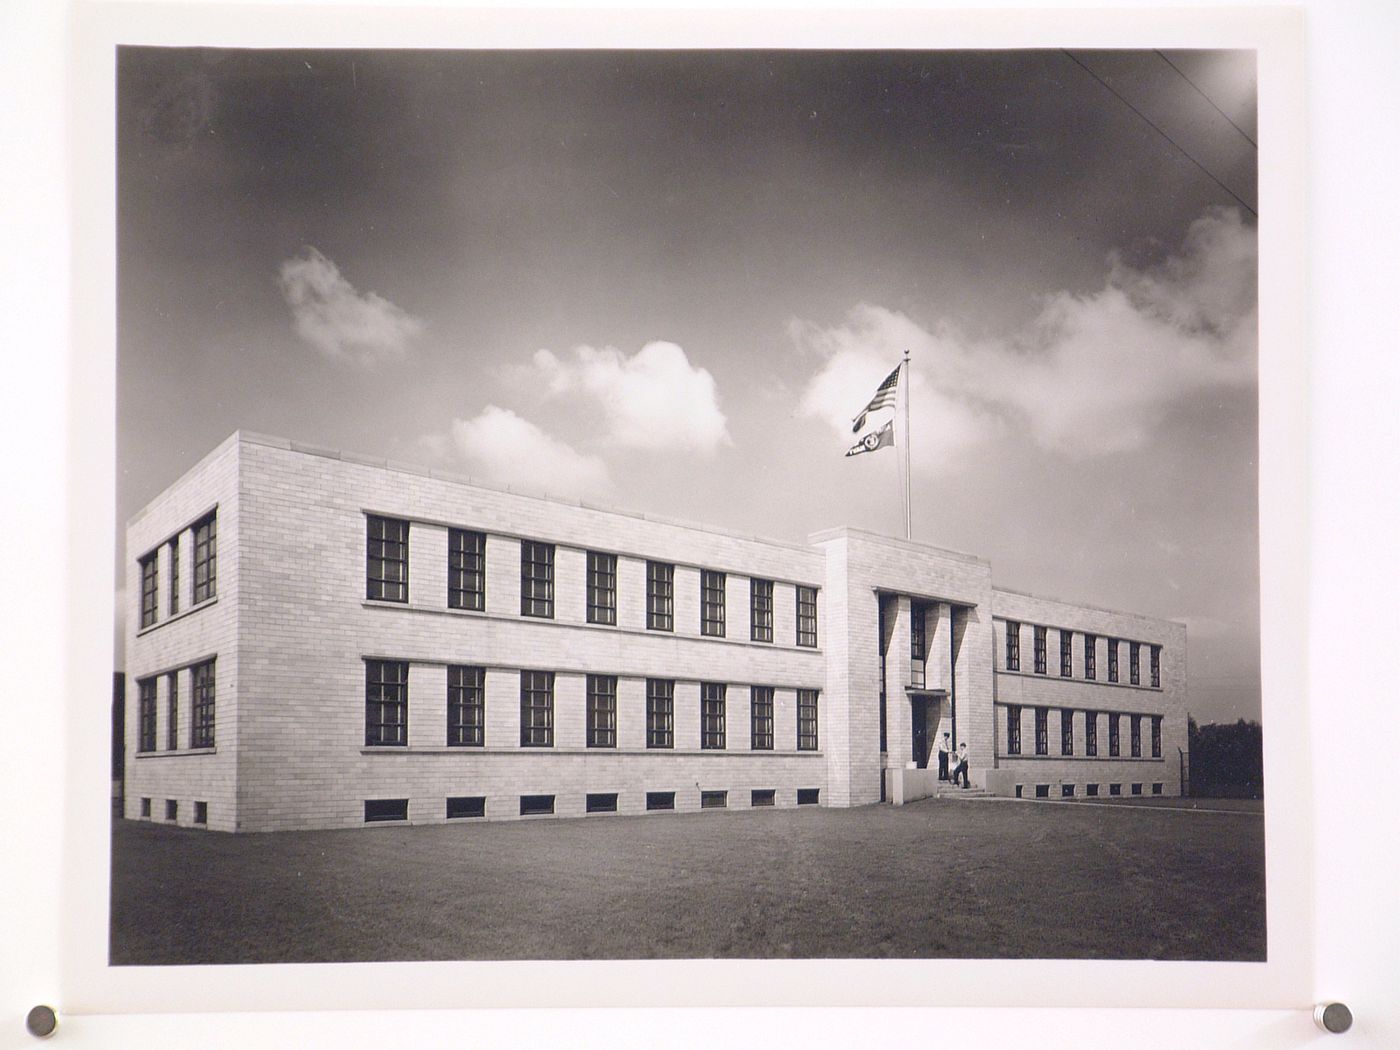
386, 703
1066, 732
377, 809
1134, 674
714, 799
918, 638
1135, 734
1091, 733
148, 589
202, 704
1137, 789
1113, 659
712, 603
464, 806
807, 617
600, 802
146, 808
660, 712
761, 610
1091, 643
201, 811
763, 797
1156, 736
1115, 789
466, 570
1042, 731
660, 599
806, 720
1066, 654
146, 714
602, 588
1013, 645
1067, 791
1114, 742
712, 716
386, 560
1042, 791
1020, 790
172, 711
174, 546
206, 560
761, 718
1040, 656
661, 800
536, 579
602, 710
172, 809
1013, 730
1156, 789
536, 805
537, 709
1154, 656
466, 706
1092, 790
808, 796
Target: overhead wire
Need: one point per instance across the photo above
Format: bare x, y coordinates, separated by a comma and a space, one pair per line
1181, 73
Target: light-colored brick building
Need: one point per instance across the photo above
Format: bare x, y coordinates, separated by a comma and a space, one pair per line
322, 640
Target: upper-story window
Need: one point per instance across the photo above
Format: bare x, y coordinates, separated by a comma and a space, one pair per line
761, 718
602, 588
1134, 665
149, 581
1113, 659
807, 617
761, 610
806, 720
386, 703
466, 706
1013, 645
918, 637
1066, 654
712, 603
660, 596
536, 579
1040, 657
1154, 656
712, 696
536, 708
1091, 644
387, 560
146, 715
174, 546
206, 557
466, 570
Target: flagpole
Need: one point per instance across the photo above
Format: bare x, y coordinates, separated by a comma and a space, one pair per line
908, 489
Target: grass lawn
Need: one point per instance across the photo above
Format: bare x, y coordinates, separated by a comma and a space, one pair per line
935, 879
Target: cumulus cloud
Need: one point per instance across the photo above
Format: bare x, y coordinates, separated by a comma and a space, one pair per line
338, 321
500, 447
1089, 375
654, 400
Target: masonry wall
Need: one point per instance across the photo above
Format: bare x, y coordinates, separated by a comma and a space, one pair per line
309, 628
1029, 689
179, 639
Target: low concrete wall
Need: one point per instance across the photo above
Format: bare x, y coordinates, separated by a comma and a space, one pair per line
906, 785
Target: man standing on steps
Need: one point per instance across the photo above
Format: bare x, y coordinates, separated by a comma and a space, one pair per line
961, 769
945, 746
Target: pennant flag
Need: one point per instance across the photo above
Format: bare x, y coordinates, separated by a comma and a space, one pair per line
884, 398
876, 439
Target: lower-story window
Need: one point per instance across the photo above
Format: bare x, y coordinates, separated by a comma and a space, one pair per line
808, 796
661, 693
1137, 789
1067, 791
1092, 790
600, 802
1156, 789
1114, 740
1156, 736
1042, 791
1115, 789
202, 704
201, 812
761, 718
1042, 731
536, 805
537, 709
377, 809
601, 710
146, 714
1013, 729
461, 806
466, 706
172, 809
806, 719
763, 797
1135, 725
386, 704
714, 799
661, 800
712, 716
146, 808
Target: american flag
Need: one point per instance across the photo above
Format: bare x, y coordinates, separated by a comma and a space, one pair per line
884, 398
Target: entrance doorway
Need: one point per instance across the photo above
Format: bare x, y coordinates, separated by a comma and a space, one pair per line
920, 712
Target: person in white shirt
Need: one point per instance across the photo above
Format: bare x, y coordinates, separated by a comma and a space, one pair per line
945, 747
961, 769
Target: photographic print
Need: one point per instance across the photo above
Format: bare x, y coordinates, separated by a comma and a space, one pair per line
686, 504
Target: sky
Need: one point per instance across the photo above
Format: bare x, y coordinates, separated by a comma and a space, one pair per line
667, 281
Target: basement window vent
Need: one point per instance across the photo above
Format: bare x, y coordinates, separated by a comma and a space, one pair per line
661, 800
1092, 790
172, 809
808, 796
462, 806
601, 802
714, 799
1042, 791
146, 808
385, 809
1156, 789
536, 805
1115, 789
1020, 790
1137, 789
1067, 791
766, 797
201, 812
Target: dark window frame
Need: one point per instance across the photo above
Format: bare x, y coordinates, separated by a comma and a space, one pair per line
760, 610
602, 588
1066, 654
713, 702
1042, 730
1154, 656
464, 807
1112, 659
1013, 645
172, 711
146, 715
174, 589
202, 704
714, 799
466, 570
712, 608
386, 703
201, 812
600, 710
1013, 729
1156, 736
806, 617
537, 805
808, 706
537, 579
1039, 641
386, 546
1091, 733
1134, 663
466, 706
1115, 736
1135, 735
659, 800
150, 588
661, 714
383, 810
206, 558
536, 708
661, 596
809, 796
918, 632
761, 718
1091, 658
761, 797
1066, 732
600, 802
